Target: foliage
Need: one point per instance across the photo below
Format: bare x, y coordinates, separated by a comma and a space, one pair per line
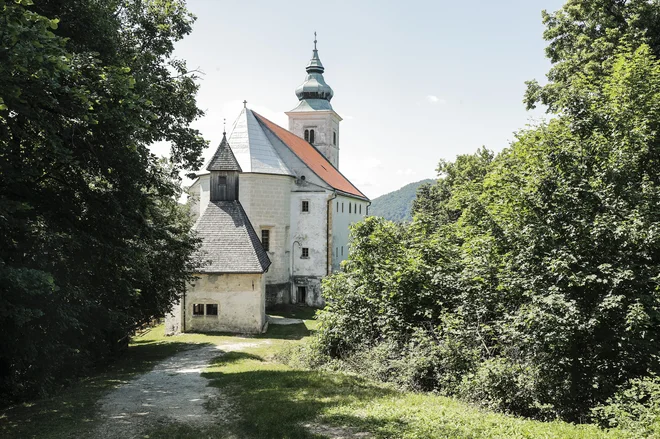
531, 278
92, 241
397, 205
636, 408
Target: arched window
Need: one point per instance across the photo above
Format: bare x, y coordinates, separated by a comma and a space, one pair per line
307, 135
349, 207
334, 137
311, 136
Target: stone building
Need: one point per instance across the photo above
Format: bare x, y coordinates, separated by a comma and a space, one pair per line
230, 290
294, 195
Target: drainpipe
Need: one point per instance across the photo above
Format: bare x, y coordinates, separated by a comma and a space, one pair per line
328, 234
293, 260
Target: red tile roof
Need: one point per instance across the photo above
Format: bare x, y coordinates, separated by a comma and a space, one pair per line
312, 158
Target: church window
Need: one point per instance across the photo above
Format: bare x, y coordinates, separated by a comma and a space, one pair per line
211, 309
305, 252
349, 207
337, 206
336, 252
311, 136
334, 138
307, 135
342, 250
305, 206
265, 239
198, 309
342, 207
360, 209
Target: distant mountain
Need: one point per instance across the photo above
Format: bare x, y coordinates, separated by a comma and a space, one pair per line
396, 205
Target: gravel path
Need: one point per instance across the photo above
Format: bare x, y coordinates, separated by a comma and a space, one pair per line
174, 391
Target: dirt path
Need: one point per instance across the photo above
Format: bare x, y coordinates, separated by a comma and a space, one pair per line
174, 391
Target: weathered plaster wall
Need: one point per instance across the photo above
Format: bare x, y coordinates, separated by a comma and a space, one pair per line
308, 230
266, 199
342, 217
240, 299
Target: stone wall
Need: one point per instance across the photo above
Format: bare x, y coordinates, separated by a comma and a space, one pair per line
240, 299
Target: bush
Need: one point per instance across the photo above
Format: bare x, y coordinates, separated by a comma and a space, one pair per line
636, 408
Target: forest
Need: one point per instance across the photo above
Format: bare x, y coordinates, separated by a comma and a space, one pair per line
528, 280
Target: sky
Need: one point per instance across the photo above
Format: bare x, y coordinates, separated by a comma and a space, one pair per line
414, 81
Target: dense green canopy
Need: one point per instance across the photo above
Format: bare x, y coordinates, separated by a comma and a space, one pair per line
92, 240
529, 280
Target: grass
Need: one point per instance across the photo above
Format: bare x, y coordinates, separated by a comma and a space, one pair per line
272, 400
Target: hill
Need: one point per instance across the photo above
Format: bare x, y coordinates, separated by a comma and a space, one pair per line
396, 205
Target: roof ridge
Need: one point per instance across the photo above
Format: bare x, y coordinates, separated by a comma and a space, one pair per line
264, 122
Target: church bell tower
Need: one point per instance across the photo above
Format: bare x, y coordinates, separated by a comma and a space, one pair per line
314, 119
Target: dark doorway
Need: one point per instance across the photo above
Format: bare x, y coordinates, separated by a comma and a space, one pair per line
301, 296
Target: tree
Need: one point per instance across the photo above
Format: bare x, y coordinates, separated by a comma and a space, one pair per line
583, 36
92, 241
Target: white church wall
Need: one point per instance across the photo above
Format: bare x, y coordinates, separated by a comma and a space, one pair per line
308, 231
346, 211
200, 195
240, 300
266, 200
324, 124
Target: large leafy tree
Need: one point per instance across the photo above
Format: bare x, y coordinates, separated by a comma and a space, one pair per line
92, 240
542, 264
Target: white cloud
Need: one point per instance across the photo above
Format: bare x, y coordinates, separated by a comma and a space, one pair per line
433, 99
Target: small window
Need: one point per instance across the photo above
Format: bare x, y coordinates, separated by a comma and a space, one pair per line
198, 309
265, 239
307, 135
311, 136
334, 138
211, 309
360, 209
336, 252
342, 250
305, 252
305, 206
222, 179
342, 207
349, 207
337, 206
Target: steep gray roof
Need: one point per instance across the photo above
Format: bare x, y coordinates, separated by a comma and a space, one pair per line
223, 159
229, 242
252, 148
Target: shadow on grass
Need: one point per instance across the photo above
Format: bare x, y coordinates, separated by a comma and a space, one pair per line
287, 332
292, 311
71, 412
280, 403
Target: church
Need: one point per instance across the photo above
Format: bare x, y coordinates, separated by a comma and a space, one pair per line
273, 212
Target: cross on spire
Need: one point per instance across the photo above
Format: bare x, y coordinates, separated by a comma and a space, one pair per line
224, 126
314, 40
244, 104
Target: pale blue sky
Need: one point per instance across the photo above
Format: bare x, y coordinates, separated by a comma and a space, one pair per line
415, 81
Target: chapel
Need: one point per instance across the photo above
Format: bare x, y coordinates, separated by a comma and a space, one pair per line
273, 212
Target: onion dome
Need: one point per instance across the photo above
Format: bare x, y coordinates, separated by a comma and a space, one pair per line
314, 86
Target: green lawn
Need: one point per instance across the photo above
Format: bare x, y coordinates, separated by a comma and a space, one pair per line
271, 400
